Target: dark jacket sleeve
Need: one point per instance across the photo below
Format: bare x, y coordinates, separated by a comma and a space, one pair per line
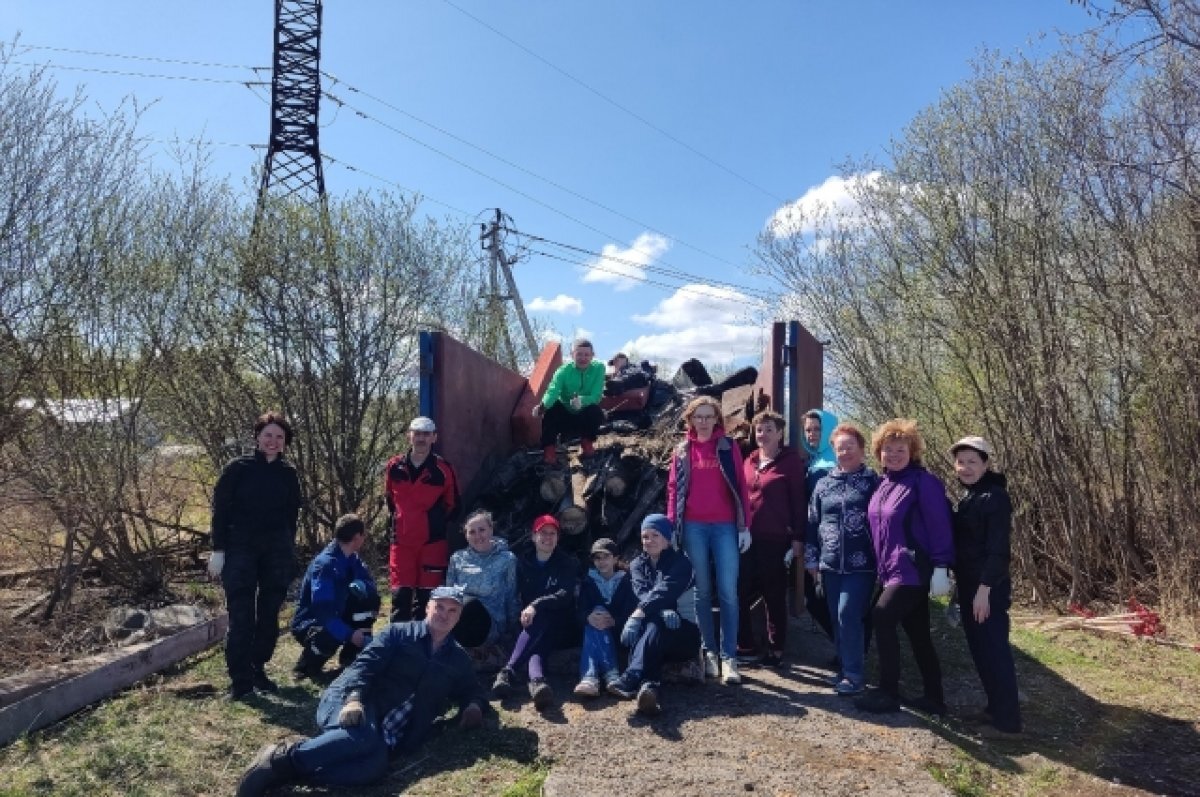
657, 593
374, 659
222, 504
297, 501
997, 519
589, 599
465, 688
798, 498
812, 534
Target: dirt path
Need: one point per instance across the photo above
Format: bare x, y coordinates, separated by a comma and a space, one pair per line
780, 733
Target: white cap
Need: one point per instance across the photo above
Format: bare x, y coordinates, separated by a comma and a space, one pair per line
975, 442
422, 424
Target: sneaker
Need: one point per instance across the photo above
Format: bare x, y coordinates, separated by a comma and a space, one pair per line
264, 684
999, 734
502, 687
731, 675
624, 687
307, 668
587, 687
833, 680
773, 659
541, 693
928, 705
847, 688
611, 676
712, 665
748, 658
647, 699
877, 701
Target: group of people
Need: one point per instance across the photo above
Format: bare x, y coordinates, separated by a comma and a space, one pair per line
873, 547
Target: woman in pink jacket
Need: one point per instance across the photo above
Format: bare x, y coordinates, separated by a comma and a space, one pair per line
708, 504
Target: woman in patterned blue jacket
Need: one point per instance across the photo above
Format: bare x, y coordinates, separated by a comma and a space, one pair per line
839, 554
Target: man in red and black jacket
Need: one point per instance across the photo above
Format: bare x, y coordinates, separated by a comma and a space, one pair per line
422, 495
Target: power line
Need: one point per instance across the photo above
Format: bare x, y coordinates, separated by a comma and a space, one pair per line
190, 78
523, 170
619, 106
654, 283
388, 126
126, 56
757, 293
394, 184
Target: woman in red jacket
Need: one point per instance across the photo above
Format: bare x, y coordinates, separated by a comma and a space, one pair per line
775, 479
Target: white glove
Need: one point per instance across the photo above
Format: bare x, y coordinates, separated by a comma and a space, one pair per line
538, 409
216, 563
788, 557
576, 403
939, 585
743, 541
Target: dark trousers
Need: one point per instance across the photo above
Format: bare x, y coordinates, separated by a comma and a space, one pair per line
761, 572
659, 644
991, 652
908, 606
558, 420
318, 645
256, 584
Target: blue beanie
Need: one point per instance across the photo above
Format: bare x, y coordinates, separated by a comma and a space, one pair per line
661, 524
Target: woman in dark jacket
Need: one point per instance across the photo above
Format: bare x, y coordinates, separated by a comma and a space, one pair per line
255, 509
839, 554
982, 530
546, 584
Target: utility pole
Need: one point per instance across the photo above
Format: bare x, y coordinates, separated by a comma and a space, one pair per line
293, 162
501, 265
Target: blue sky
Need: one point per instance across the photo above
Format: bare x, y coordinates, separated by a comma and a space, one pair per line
678, 129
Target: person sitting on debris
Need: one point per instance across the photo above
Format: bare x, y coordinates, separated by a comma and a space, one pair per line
775, 478
838, 553
487, 571
606, 600
659, 630
571, 405
546, 584
385, 703
622, 375
338, 602
708, 502
255, 510
421, 490
982, 533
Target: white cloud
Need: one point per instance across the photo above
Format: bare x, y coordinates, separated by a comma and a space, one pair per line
834, 198
700, 321
567, 305
624, 268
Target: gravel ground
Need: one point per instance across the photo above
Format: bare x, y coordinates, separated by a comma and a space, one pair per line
782, 732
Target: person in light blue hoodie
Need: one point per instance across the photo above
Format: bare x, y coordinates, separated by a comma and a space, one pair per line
818, 429
486, 570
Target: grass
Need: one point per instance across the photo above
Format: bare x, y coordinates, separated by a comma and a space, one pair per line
1094, 708
1119, 709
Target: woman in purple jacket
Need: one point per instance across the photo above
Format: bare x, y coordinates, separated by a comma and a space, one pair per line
909, 518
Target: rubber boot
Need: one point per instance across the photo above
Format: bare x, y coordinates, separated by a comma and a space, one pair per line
271, 767
421, 602
402, 605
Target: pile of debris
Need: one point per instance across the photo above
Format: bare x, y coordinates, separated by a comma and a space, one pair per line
609, 493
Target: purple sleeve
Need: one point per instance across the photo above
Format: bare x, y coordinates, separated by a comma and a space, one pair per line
938, 536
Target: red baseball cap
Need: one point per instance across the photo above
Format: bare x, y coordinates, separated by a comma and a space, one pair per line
541, 521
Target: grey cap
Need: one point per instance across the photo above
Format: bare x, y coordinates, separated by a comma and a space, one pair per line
422, 424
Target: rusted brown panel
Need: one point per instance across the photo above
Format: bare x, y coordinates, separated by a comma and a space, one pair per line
526, 429
770, 372
473, 403
810, 364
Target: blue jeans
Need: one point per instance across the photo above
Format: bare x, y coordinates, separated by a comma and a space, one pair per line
599, 654
342, 756
710, 545
847, 595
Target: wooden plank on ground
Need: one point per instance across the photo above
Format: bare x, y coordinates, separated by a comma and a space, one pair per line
112, 672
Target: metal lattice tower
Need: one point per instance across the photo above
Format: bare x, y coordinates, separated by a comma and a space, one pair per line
293, 163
